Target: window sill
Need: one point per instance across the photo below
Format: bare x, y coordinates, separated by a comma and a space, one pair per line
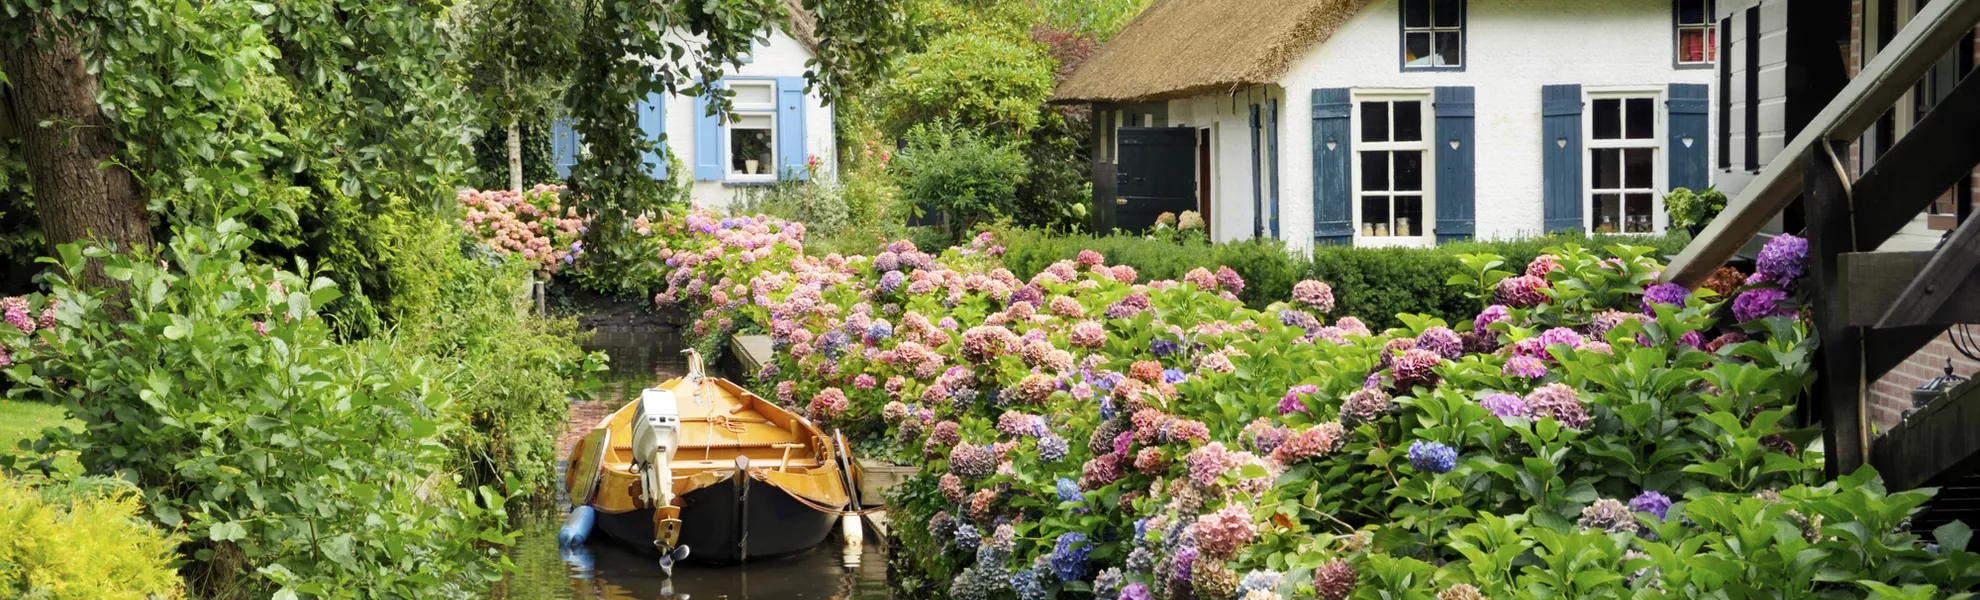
737, 181
1694, 66
1409, 69
1414, 241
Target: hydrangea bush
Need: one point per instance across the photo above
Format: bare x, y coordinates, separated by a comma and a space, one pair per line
1084, 432
534, 224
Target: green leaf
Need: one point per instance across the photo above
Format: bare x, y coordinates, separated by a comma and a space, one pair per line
226, 531
1953, 536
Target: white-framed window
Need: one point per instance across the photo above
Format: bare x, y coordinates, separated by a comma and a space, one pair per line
1697, 33
1433, 34
1392, 170
750, 142
1624, 145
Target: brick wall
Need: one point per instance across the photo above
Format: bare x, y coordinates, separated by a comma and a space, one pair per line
1891, 396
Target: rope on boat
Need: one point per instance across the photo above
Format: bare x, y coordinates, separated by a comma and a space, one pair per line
726, 423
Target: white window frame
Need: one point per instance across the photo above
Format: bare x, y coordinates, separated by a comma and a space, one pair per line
1423, 234
1464, 8
1709, 27
1659, 157
728, 132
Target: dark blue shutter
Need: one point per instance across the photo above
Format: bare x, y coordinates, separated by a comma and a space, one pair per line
1691, 162
1257, 186
1457, 160
707, 142
1272, 159
1333, 144
653, 125
564, 146
791, 154
1560, 158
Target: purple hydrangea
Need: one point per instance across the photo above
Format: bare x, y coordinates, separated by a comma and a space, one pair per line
1432, 457
1136, 591
1496, 313
1524, 291
891, 281
879, 330
1525, 366
1504, 405
1163, 347
1562, 336
1760, 303
1290, 403
1052, 448
1664, 293
1651, 502
1174, 376
1299, 318
1782, 260
1441, 340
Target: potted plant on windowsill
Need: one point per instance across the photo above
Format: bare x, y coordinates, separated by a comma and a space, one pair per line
1691, 211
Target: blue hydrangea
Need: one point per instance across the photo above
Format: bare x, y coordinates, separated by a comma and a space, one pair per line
1141, 560
1028, 584
1163, 347
832, 344
1174, 376
1052, 448
1432, 457
879, 330
891, 281
967, 538
1106, 408
1651, 502
1069, 490
1260, 581
1069, 556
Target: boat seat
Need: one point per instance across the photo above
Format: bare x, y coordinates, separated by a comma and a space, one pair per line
684, 465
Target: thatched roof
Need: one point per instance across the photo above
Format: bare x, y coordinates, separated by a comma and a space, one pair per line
1184, 48
801, 24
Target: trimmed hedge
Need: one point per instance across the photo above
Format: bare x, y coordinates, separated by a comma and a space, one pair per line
1375, 284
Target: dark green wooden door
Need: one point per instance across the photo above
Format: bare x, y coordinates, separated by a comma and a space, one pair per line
1157, 174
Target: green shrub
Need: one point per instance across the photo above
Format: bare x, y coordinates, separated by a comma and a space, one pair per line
1693, 209
82, 540
295, 463
969, 176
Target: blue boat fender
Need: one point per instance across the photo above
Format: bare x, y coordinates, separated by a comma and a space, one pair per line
577, 526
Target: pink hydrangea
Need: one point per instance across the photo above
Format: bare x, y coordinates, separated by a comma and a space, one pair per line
984, 343
1087, 334
1189, 431
829, 403
1089, 258
1230, 280
1542, 265
1352, 326
1151, 460
893, 412
1065, 306
1525, 291
1201, 278
16, 309
1100, 471
1365, 405
1209, 462
1315, 295
1415, 367
953, 488
1216, 362
1560, 402
1220, 535
865, 382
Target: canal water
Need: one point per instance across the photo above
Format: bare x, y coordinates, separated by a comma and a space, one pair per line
605, 570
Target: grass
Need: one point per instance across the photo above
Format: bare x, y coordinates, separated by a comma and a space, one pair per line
25, 420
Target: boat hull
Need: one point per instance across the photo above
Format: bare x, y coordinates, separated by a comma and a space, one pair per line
716, 523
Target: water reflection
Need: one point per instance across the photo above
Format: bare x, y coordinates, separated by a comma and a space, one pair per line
641, 357
604, 570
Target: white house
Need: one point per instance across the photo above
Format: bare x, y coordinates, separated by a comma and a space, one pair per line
774, 132
1402, 122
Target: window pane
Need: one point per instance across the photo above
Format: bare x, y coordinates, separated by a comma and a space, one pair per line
1608, 118
1692, 46
1374, 215
749, 144
1374, 121
1691, 12
1409, 170
1605, 165
1450, 13
753, 121
1416, 51
1409, 215
1409, 121
1448, 54
1642, 117
1638, 168
1374, 171
1607, 213
752, 93
1636, 214
1416, 13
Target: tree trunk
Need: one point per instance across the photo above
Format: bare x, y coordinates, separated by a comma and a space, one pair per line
515, 155
78, 194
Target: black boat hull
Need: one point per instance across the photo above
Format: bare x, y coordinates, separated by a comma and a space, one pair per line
720, 527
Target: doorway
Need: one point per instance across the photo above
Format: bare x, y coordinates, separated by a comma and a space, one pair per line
1203, 172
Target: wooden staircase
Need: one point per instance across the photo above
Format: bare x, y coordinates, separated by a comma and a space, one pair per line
1873, 309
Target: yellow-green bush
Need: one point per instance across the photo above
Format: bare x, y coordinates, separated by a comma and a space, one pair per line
83, 541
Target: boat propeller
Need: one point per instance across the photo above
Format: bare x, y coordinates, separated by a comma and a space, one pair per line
670, 557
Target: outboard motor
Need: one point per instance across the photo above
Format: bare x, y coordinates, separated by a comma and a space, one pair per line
656, 434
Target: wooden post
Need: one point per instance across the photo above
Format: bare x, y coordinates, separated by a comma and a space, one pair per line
1838, 394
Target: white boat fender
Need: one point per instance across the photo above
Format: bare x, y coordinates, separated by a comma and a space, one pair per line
577, 527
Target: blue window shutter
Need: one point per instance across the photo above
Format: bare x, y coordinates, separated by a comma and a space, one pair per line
1257, 185
653, 125
1561, 191
1457, 161
1690, 120
1272, 159
563, 146
707, 142
1333, 144
791, 155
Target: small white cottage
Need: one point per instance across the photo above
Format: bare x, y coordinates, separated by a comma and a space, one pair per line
1401, 122
777, 131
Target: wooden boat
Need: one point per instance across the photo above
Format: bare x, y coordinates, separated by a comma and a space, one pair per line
700, 463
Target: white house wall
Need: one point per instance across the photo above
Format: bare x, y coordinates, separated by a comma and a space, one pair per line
782, 56
1229, 117
1514, 48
